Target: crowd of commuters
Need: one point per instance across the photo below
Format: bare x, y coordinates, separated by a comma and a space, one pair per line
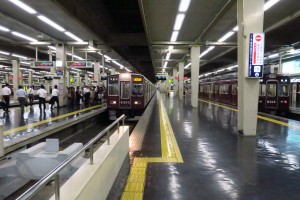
88, 95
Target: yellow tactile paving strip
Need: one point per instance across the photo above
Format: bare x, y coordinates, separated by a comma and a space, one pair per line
21, 128
258, 116
134, 188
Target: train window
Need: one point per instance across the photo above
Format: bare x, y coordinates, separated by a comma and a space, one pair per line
262, 90
283, 90
113, 88
137, 89
125, 87
271, 90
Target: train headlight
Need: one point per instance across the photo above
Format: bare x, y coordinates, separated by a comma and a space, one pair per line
112, 102
137, 102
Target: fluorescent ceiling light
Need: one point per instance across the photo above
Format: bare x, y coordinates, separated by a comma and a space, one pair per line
18, 56
107, 57
293, 51
23, 6
226, 36
178, 22
187, 65
118, 64
270, 3
171, 48
51, 23
25, 63
184, 5
165, 65
2, 28
24, 36
100, 53
40, 43
74, 56
273, 55
210, 48
235, 28
3, 52
91, 48
230, 68
220, 70
206, 51
168, 56
71, 35
174, 36
52, 47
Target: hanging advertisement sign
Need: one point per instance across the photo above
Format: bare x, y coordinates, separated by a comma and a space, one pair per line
79, 64
256, 55
42, 64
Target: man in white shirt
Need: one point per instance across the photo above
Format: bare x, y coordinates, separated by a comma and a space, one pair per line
5, 96
54, 97
21, 94
30, 95
87, 95
42, 93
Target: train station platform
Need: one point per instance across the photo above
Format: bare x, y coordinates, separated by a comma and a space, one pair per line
19, 130
196, 153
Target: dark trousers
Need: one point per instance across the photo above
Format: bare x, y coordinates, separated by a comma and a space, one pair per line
55, 99
87, 97
6, 100
42, 101
22, 103
31, 98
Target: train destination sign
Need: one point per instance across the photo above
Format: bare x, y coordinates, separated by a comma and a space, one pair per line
256, 55
137, 79
79, 64
42, 64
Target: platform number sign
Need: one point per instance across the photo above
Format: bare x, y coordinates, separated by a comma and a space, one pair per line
256, 55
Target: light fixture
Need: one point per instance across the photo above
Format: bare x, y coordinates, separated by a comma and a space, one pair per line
184, 5
235, 29
231, 67
71, 35
100, 53
206, 51
24, 36
170, 48
226, 36
51, 23
174, 36
52, 47
18, 56
165, 65
121, 66
269, 4
293, 51
168, 56
25, 63
4, 53
178, 22
107, 57
23, 6
273, 55
2, 28
40, 43
187, 65
220, 70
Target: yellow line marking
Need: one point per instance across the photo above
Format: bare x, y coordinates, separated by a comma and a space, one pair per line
21, 128
275, 121
134, 189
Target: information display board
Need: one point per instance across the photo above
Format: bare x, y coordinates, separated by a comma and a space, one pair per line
256, 55
42, 64
79, 64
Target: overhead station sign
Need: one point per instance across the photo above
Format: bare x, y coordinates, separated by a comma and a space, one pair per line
42, 64
256, 55
79, 64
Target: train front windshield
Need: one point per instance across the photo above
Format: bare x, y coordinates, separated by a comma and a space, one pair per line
125, 87
113, 88
137, 89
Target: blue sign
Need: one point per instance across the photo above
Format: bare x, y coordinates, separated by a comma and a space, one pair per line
59, 72
256, 55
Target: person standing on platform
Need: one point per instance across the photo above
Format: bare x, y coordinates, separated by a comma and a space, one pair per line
5, 97
77, 96
42, 93
30, 95
21, 94
87, 95
54, 97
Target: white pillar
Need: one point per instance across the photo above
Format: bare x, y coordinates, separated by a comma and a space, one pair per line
112, 71
250, 20
16, 74
86, 79
68, 78
97, 72
181, 71
78, 78
30, 77
175, 82
61, 56
195, 54
7, 77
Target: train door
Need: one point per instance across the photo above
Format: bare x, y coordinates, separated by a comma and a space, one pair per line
125, 101
271, 101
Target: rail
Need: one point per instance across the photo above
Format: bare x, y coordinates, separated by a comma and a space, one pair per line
55, 172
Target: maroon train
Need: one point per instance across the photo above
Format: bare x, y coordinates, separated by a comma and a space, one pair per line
128, 94
274, 92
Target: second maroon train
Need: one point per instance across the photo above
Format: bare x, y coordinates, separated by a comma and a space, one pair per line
274, 92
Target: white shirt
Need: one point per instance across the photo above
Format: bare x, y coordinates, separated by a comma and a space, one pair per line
55, 92
42, 93
30, 91
21, 93
86, 90
6, 91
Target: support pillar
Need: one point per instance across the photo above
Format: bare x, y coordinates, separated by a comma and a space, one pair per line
67, 78
61, 56
195, 60
7, 77
112, 71
181, 71
16, 74
175, 82
30, 75
86, 79
78, 78
97, 72
250, 20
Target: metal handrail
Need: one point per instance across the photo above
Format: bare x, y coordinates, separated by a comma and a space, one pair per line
55, 172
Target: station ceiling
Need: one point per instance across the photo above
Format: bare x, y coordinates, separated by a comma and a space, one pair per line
137, 33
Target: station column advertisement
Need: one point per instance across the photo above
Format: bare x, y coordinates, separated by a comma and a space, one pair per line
256, 55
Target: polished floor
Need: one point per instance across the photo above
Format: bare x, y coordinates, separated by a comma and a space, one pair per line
217, 162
